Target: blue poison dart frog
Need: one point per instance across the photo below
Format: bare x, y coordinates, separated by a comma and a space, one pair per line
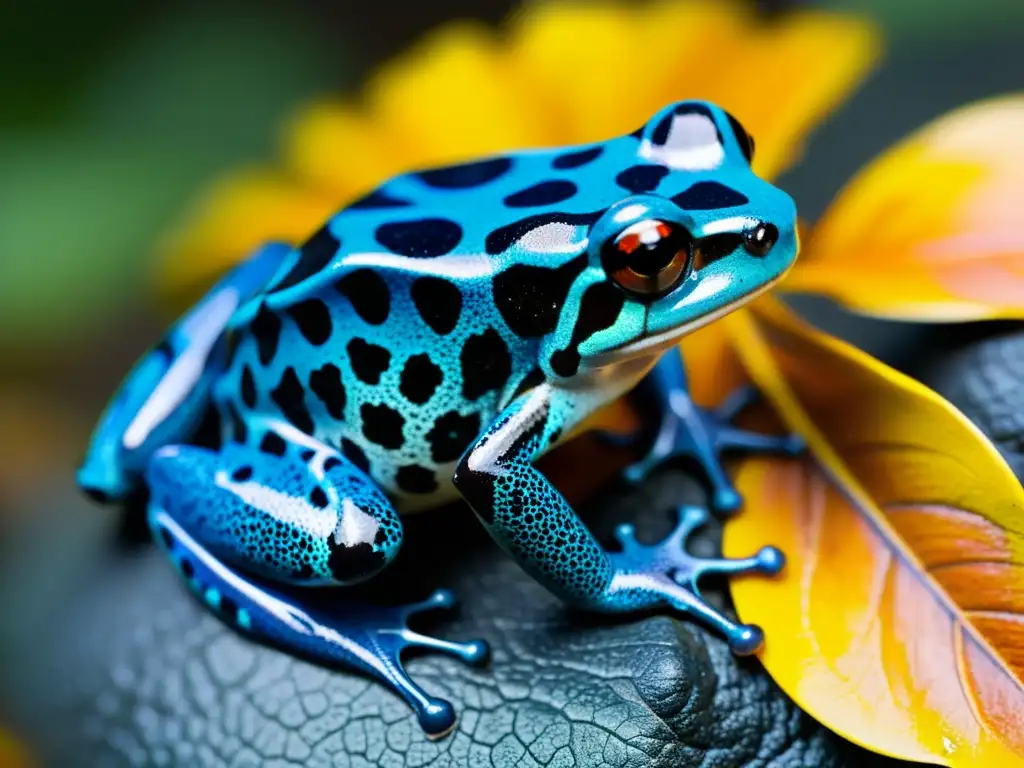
431, 341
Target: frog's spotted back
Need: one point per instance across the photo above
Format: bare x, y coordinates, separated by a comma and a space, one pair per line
401, 327
503, 200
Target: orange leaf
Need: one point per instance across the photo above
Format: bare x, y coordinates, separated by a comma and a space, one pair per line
931, 229
899, 619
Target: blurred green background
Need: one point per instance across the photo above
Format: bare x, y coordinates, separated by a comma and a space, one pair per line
114, 113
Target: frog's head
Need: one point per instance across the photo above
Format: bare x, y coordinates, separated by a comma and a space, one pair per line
707, 237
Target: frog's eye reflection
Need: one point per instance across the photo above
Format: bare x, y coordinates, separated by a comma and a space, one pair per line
648, 257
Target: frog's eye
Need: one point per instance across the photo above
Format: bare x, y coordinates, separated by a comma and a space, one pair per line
744, 139
649, 257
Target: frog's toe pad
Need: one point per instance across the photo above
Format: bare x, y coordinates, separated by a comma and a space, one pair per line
745, 640
667, 567
437, 718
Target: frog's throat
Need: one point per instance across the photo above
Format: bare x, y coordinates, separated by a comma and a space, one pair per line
657, 342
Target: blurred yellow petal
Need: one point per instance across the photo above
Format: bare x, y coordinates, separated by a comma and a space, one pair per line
931, 230
238, 213
451, 99
711, 365
561, 72
337, 148
600, 70
805, 66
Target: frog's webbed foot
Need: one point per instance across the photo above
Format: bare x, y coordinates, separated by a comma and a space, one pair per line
684, 429
367, 638
261, 535
379, 636
666, 573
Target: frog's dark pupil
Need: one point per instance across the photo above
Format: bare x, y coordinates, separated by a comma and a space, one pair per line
651, 258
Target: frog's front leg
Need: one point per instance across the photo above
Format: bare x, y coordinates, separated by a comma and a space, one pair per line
248, 524
532, 521
683, 428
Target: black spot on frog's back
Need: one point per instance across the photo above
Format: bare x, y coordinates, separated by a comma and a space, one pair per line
544, 193
355, 454
577, 159
709, 195
266, 329
420, 238
247, 387
530, 298
466, 175
273, 444
368, 361
290, 397
383, 425
486, 364
313, 319
314, 255
451, 435
641, 178
439, 303
368, 293
420, 379
326, 384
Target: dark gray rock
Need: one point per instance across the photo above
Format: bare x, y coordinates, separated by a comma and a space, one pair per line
984, 378
135, 672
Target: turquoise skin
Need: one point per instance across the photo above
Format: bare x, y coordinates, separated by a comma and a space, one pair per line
430, 341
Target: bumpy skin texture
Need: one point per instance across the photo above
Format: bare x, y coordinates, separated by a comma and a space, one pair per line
154, 679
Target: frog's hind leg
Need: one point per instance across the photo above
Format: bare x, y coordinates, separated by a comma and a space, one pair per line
165, 396
246, 526
682, 428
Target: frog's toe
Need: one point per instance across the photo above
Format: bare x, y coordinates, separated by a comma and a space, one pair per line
726, 499
747, 639
474, 652
667, 573
437, 718
732, 438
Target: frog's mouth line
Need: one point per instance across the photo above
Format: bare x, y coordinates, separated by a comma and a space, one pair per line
650, 345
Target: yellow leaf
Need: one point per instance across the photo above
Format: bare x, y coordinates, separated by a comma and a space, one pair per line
931, 230
899, 619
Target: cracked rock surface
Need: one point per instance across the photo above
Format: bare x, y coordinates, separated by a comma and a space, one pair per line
134, 672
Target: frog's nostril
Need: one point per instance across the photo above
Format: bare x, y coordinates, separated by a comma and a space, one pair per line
759, 240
